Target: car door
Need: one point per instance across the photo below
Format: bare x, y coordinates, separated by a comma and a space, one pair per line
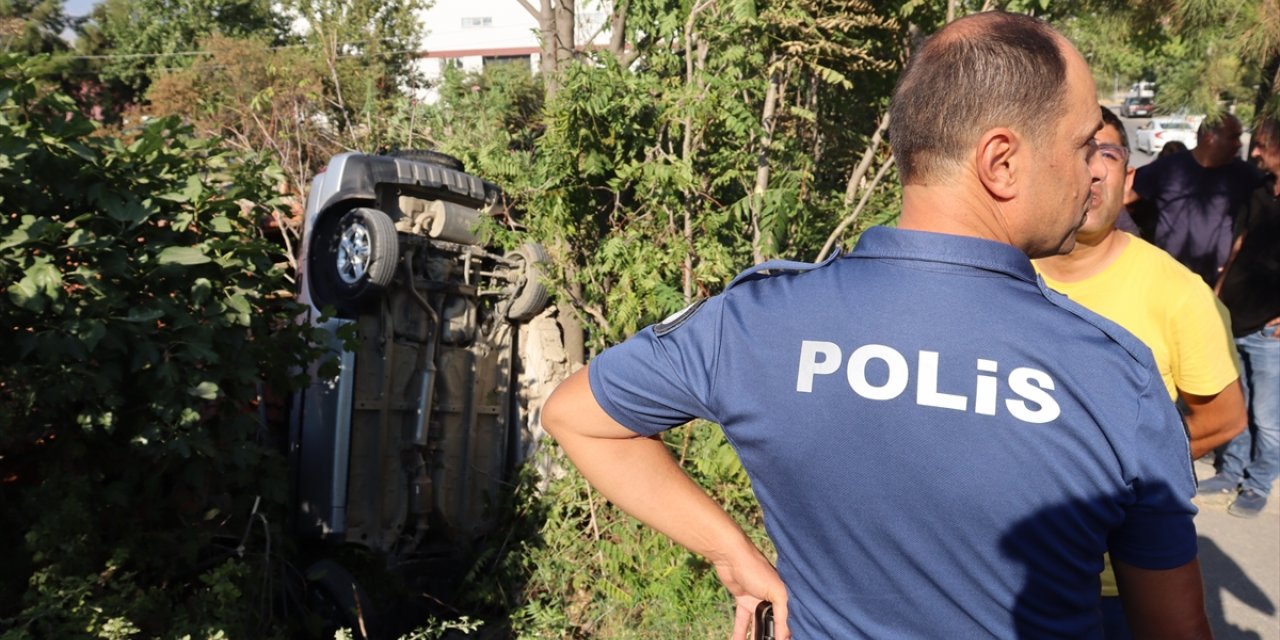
1144, 136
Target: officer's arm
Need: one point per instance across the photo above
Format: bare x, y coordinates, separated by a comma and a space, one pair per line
1213, 421
641, 477
1166, 604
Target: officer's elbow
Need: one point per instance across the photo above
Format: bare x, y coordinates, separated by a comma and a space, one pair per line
559, 411
553, 416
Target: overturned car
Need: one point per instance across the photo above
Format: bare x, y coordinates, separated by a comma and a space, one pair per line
446, 347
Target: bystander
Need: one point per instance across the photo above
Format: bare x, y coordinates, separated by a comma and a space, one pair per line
1186, 200
1250, 287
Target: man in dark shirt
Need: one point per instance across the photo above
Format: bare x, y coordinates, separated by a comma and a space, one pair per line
1187, 199
1250, 287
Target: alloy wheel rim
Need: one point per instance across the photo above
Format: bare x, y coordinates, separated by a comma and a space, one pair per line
354, 249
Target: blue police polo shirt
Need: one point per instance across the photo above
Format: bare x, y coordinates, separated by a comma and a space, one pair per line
942, 446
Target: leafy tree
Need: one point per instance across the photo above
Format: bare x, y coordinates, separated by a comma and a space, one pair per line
32, 26
1205, 55
366, 47
143, 321
143, 38
256, 98
341, 86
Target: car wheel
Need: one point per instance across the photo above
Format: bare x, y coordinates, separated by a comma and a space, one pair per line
531, 293
352, 258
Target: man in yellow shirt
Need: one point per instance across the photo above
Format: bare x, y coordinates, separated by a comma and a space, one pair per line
1167, 306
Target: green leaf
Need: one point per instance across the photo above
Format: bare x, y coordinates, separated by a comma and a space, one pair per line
32, 228
194, 188
190, 192
41, 283
80, 237
241, 309
26, 295
84, 152
201, 289
119, 206
182, 255
143, 315
202, 352
221, 224
205, 390
744, 9
90, 333
239, 303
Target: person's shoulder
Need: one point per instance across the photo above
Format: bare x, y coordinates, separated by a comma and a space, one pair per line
1264, 204
1246, 171
1137, 351
776, 269
1159, 261
1174, 280
1160, 171
1162, 164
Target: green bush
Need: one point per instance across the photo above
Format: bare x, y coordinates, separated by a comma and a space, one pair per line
591, 571
144, 314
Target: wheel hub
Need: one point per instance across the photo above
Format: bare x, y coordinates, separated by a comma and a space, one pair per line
353, 253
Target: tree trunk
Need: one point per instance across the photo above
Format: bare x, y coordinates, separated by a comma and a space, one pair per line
694, 64
762, 158
618, 29
549, 33
565, 23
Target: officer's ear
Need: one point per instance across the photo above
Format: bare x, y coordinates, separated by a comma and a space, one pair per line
1000, 162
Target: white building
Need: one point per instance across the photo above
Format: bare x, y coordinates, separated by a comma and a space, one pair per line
473, 33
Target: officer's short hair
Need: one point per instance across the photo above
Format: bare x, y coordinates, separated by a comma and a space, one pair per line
986, 70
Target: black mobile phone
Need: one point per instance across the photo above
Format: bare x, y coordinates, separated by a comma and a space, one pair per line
763, 626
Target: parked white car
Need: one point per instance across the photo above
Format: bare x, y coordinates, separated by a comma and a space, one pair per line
1153, 135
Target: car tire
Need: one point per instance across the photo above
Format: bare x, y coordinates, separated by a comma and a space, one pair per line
531, 293
352, 258
432, 157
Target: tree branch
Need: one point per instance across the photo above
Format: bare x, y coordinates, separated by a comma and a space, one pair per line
873, 146
844, 224
530, 8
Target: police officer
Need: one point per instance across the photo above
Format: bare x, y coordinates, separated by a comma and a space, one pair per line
1018, 436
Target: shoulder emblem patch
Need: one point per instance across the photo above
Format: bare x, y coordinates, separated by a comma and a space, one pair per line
673, 321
